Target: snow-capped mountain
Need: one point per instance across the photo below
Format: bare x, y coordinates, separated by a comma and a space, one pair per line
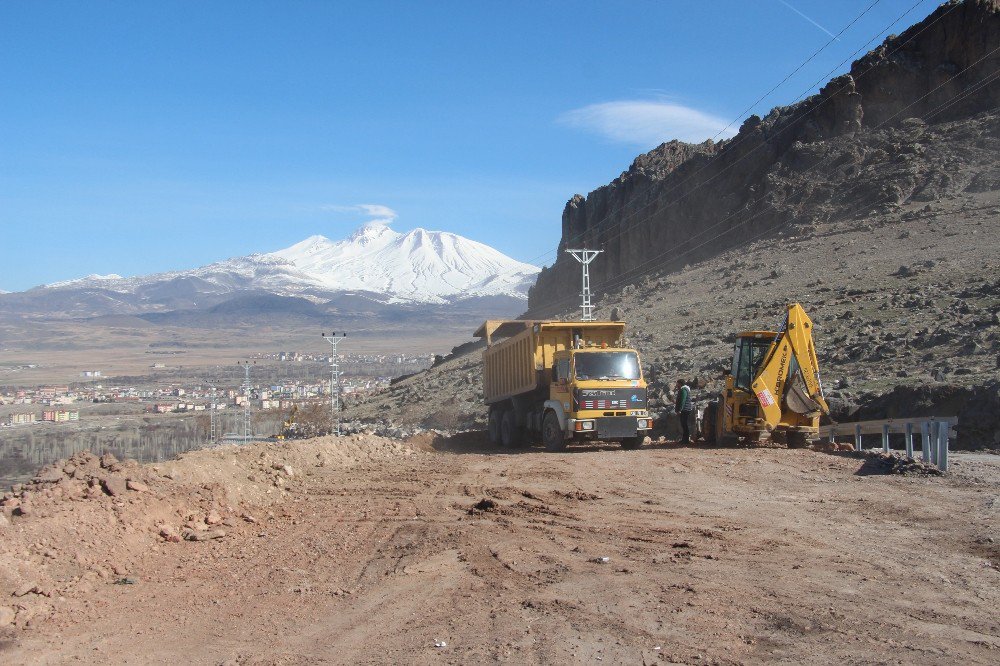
422, 266
375, 263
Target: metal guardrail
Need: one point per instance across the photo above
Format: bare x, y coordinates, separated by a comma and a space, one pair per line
934, 435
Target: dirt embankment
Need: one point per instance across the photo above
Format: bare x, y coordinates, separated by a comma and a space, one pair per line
365, 550
85, 522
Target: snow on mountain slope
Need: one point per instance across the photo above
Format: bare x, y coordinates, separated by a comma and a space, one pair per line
420, 266
429, 266
90, 279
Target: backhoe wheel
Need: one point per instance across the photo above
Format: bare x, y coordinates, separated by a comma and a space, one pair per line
510, 434
493, 427
797, 440
708, 422
632, 442
552, 434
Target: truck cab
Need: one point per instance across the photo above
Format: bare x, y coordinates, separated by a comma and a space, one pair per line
602, 394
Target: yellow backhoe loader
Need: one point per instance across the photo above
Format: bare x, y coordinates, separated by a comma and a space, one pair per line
773, 389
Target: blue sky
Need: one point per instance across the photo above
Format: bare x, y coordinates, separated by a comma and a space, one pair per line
144, 136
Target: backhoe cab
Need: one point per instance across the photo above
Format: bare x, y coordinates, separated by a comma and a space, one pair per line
773, 388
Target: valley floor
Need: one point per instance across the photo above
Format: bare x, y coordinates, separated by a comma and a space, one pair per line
449, 552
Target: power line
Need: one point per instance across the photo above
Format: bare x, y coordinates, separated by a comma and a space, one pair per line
788, 124
631, 275
738, 140
799, 68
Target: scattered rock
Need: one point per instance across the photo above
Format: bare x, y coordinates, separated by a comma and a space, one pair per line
484, 505
206, 535
137, 486
49, 475
168, 533
113, 485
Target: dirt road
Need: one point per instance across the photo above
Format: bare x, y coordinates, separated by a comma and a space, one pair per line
662, 555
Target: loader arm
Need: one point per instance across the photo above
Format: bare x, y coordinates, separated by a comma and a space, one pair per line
780, 381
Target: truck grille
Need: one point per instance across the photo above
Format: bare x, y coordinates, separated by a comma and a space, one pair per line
610, 399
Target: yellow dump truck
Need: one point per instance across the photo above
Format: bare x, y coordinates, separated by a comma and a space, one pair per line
558, 382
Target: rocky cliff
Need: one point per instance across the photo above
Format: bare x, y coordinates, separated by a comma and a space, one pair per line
801, 164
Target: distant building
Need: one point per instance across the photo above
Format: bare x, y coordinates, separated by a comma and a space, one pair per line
60, 415
21, 419
90, 373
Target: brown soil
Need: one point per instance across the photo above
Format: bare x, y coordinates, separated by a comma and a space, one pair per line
372, 551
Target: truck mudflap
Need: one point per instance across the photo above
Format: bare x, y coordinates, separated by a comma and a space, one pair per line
613, 427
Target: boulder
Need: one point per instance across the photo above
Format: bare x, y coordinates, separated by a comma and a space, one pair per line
114, 485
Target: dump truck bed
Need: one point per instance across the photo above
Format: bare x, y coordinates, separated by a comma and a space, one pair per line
518, 363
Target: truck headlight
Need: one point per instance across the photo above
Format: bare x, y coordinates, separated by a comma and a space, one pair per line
588, 425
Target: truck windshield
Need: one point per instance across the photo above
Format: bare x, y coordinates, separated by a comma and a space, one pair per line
606, 365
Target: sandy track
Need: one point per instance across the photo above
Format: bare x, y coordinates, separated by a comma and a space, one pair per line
714, 556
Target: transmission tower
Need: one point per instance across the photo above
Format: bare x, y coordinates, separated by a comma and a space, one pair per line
212, 435
585, 257
335, 381
247, 431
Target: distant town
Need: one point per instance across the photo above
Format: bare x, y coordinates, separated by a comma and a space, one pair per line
361, 374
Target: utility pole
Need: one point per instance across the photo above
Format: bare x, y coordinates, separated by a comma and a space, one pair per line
334, 382
247, 431
211, 415
585, 257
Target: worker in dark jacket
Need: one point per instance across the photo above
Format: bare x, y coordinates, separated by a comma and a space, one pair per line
683, 407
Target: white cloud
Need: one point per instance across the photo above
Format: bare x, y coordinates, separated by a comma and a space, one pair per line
647, 123
378, 213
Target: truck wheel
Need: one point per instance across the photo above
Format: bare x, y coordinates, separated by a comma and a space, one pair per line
510, 434
493, 427
632, 442
552, 434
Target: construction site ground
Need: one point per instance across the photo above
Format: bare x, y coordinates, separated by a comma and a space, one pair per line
366, 550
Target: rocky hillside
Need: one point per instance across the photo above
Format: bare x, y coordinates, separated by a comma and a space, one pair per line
806, 163
875, 204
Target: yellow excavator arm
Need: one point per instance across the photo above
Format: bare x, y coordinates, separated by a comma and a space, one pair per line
789, 373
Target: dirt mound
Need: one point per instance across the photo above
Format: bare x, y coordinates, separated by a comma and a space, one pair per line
680, 555
88, 519
891, 463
